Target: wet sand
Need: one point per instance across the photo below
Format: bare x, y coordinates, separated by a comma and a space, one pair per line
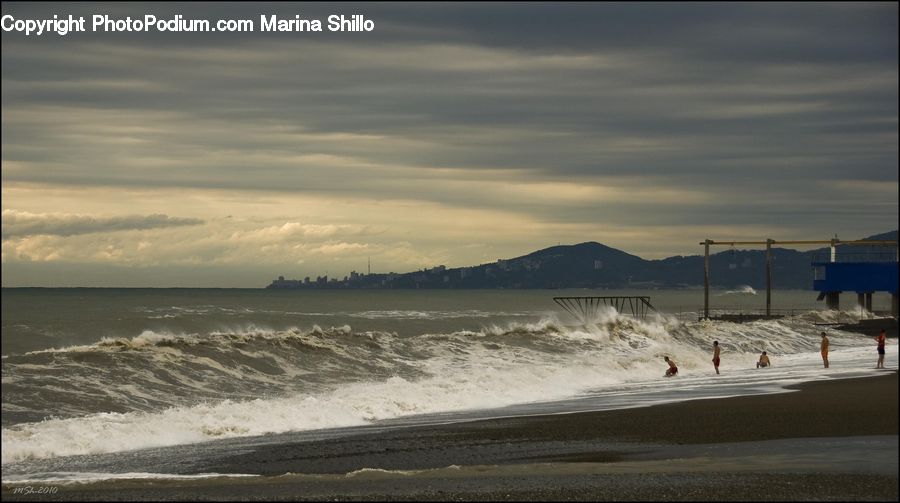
811, 444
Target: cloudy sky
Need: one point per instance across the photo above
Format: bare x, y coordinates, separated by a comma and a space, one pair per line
452, 134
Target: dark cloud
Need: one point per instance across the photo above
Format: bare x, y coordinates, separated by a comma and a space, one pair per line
17, 223
736, 113
728, 32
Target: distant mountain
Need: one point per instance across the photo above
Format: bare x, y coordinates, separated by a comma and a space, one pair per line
594, 265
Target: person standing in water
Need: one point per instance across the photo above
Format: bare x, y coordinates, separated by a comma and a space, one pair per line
880, 340
673, 369
716, 355
824, 348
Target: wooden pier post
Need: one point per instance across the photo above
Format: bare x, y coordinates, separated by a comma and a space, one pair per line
769, 277
706, 280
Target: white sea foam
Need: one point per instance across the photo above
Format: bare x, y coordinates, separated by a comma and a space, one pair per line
72, 478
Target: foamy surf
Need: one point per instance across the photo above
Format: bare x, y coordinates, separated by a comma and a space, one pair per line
498, 366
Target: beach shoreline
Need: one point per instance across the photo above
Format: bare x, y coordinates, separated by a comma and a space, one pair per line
710, 449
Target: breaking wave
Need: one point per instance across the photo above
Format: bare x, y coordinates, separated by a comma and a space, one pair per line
159, 389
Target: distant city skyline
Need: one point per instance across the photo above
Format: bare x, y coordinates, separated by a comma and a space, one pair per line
450, 134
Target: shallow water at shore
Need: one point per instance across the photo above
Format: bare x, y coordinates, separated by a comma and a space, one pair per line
831, 440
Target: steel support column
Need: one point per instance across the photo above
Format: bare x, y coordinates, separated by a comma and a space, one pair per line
833, 300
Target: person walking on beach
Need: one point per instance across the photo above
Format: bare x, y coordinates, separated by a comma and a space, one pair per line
763, 361
825, 349
880, 340
673, 369
716, 355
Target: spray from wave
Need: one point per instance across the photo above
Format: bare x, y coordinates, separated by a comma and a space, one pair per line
741, 290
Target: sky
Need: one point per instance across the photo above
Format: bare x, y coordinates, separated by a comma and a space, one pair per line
450, 134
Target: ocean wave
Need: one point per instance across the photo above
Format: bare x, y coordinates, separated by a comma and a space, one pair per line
158, 389
149, 339
836, 317
487, 381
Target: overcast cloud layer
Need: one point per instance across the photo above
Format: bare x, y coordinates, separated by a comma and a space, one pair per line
453, 134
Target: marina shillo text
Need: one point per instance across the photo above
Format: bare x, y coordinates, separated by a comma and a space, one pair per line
178, 23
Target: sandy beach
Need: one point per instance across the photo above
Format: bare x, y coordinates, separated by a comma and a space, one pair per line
829, 440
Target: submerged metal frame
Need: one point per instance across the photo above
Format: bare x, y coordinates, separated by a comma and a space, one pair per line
585, 308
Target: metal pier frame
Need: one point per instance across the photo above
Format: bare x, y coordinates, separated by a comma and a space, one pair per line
585, 308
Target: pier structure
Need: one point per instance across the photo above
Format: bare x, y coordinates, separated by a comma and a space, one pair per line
861, 274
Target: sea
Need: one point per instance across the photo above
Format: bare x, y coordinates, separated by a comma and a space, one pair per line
92, 374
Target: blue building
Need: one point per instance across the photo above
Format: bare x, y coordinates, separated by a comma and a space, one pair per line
864, 277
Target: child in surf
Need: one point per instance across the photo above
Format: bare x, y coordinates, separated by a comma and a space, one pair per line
673, 369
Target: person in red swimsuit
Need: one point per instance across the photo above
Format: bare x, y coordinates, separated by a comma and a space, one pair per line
880, 340
673, 369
